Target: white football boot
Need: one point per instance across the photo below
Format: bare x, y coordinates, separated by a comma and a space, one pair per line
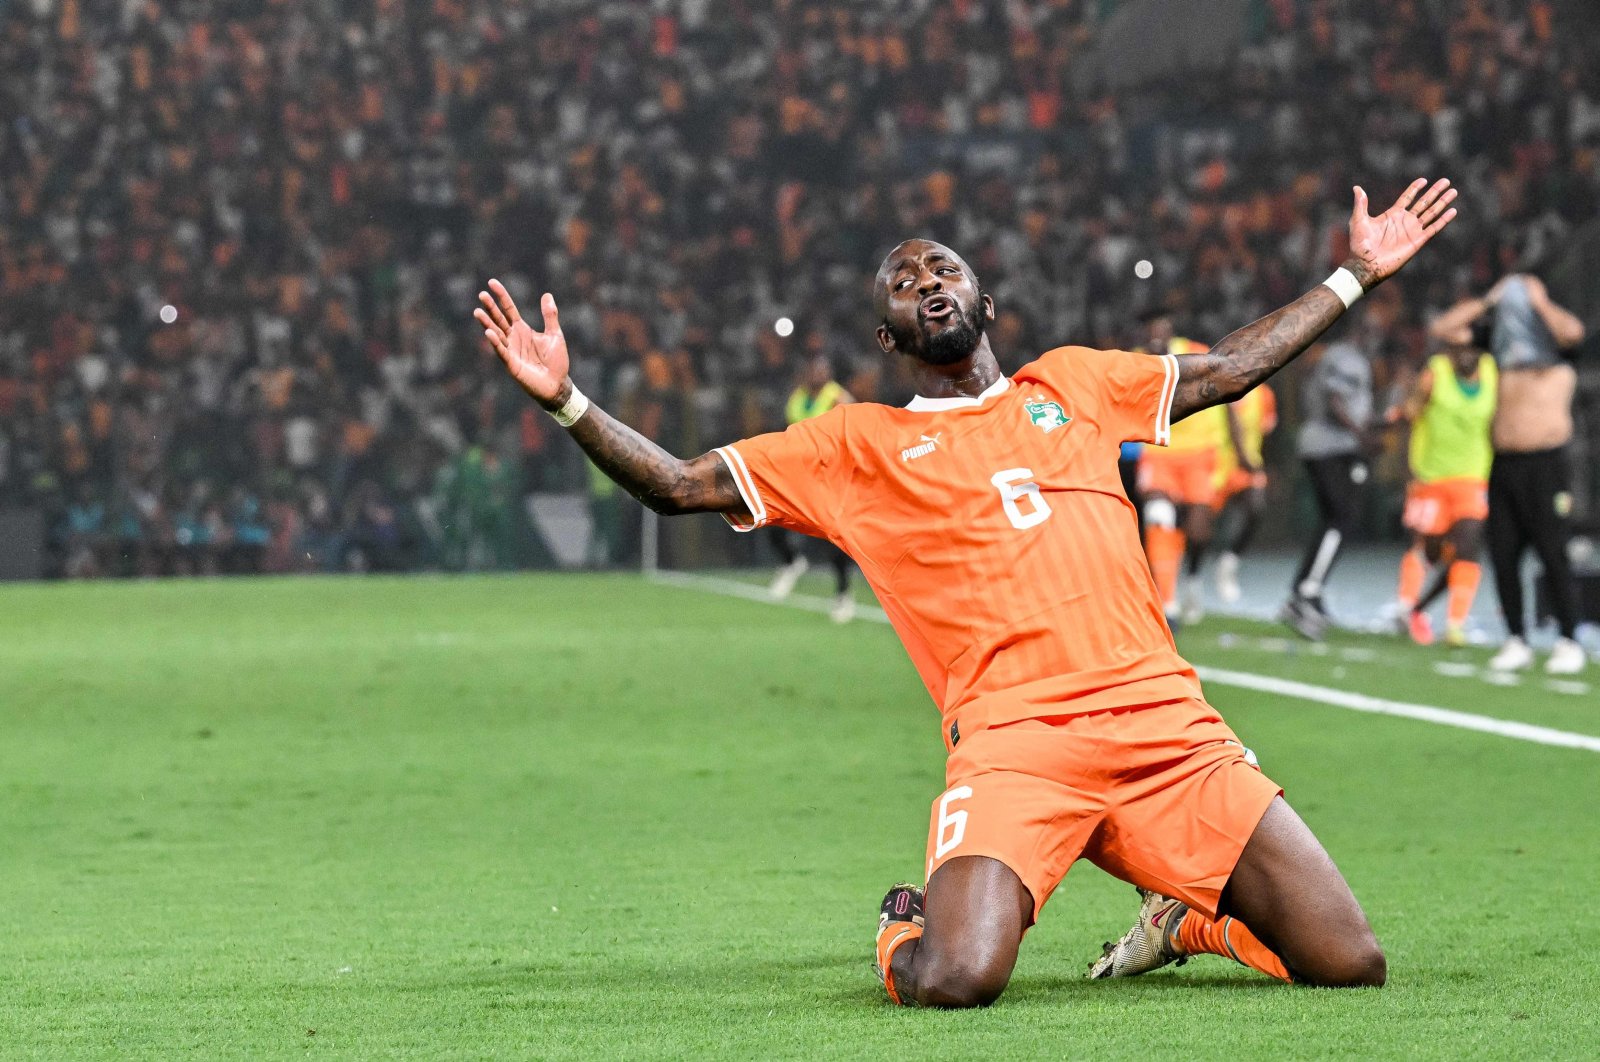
1566, 658
844, 608
1513, 656
783, 583
1149, 945
1228, 590
1193, 609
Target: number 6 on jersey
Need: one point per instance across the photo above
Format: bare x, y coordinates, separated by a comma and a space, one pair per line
1016, 483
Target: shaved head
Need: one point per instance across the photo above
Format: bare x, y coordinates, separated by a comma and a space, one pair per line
906, 252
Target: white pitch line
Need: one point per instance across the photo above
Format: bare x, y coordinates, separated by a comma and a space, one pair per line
751, 592
1305, 691
1448, 668
1360, 702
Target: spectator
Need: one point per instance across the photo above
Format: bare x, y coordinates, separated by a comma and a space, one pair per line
237, 241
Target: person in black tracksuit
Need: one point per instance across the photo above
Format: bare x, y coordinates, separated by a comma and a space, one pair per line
1336, 403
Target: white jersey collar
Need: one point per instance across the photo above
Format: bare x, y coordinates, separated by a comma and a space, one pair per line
920, 404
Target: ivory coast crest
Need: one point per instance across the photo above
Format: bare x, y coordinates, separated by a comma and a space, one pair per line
1047, 416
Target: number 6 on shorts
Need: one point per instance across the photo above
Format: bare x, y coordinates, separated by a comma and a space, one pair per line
951, 823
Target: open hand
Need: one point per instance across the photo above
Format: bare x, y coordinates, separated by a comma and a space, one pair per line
1380, 245
538, 360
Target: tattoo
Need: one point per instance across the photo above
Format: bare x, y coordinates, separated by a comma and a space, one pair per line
660, 481
1249, 356
1362, 272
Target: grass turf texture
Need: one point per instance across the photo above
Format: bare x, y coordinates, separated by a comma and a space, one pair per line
572, 816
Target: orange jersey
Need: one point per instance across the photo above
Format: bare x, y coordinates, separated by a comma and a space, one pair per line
995, 532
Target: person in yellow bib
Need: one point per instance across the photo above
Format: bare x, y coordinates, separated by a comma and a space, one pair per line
1241, 482
1450, 408
816, 393
1177, 483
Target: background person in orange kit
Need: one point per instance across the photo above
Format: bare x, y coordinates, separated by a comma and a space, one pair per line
1177, 486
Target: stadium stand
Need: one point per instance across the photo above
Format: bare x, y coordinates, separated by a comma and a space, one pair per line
239, 241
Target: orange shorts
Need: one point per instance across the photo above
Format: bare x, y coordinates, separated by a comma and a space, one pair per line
1237, 482
1161, 796
1184, 478
1434, 508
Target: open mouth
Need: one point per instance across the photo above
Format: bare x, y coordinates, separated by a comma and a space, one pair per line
935, 307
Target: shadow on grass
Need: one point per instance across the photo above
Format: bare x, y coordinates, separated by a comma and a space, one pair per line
633, 974
1071, 992
1148, 986
830, 978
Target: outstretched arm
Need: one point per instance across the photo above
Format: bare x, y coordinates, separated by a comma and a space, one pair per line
539, 362
1379, 246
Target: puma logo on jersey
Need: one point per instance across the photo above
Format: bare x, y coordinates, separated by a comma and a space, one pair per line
928, 444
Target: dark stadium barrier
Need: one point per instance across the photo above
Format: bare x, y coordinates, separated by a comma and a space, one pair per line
22, 545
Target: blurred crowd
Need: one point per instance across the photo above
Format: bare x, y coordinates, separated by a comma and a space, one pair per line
240, 239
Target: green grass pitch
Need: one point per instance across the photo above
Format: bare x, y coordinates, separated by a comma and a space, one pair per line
588, 816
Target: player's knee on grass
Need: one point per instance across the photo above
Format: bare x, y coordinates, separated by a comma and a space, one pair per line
964, 979
1337, 950
1354, 962
977, 910
1286, 888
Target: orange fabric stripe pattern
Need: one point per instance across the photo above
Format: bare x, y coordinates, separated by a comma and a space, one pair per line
747, 490
995, 531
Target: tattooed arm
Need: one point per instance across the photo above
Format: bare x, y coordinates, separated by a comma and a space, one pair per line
1254, 352
539, 362
1379, 246
659, 480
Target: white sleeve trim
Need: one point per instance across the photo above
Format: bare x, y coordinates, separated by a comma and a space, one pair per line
1169, 388
747, 490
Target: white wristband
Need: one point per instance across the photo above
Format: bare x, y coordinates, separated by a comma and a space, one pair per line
571, 411
1346, 286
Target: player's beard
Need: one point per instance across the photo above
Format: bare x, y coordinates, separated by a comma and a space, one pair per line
955, 342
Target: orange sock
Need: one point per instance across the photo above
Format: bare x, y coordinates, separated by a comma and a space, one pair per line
889, 941
1228, 937
1164, 547
1413, 567
1464, 576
